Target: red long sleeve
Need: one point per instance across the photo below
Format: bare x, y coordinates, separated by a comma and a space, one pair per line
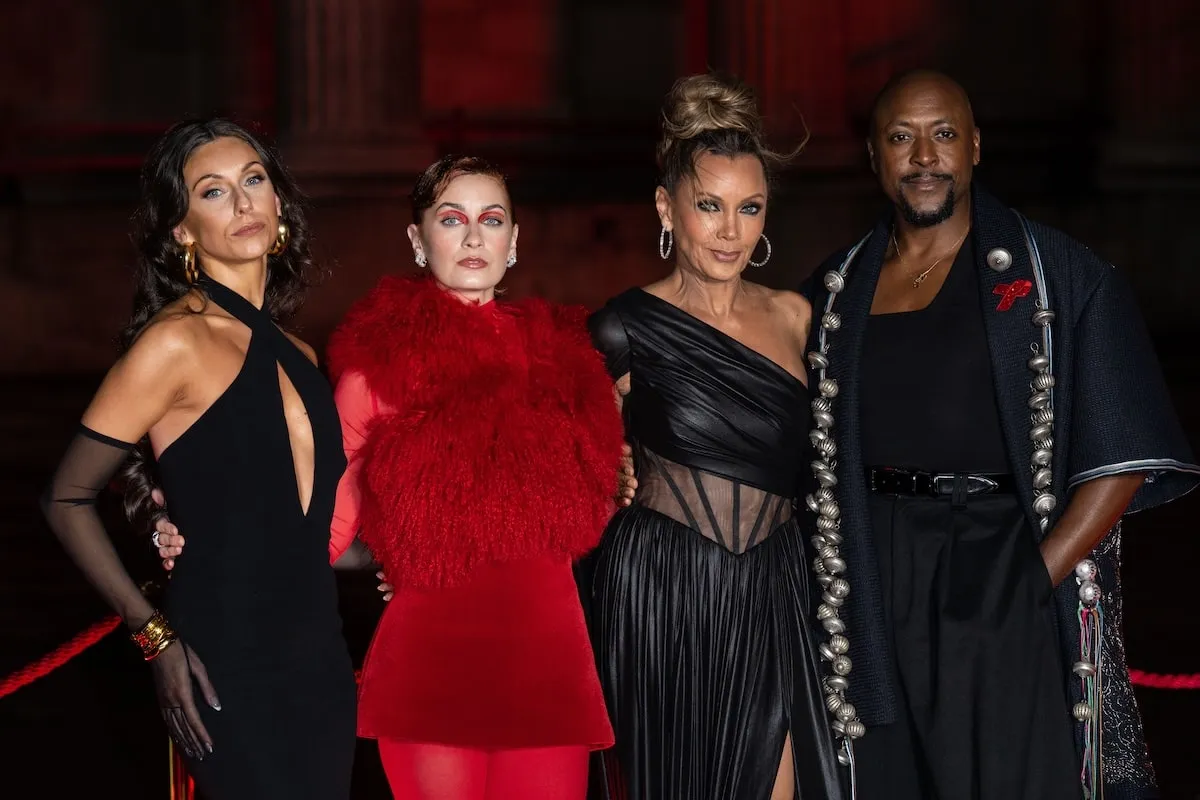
358, 407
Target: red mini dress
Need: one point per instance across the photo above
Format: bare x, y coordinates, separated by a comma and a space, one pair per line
483, 452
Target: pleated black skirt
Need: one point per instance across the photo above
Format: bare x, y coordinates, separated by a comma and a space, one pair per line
985, 714
707, 663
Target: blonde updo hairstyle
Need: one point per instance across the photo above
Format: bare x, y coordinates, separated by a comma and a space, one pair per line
710, 114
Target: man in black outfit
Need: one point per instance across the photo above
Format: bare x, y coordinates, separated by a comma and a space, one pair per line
987, 405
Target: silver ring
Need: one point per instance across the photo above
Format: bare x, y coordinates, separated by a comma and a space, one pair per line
154, 539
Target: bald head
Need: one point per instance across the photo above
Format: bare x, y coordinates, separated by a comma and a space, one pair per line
924, 145
901, 90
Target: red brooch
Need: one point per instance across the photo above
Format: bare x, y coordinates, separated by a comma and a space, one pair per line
1009, 292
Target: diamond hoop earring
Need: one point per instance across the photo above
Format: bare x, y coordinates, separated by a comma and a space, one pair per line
666, 240
763, 263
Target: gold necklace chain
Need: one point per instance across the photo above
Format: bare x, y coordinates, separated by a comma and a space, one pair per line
917, 281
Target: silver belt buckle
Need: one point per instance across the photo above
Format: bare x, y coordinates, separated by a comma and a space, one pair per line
936, 482
977, 484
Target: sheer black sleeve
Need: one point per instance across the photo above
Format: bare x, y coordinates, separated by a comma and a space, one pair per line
69, 504
609, 337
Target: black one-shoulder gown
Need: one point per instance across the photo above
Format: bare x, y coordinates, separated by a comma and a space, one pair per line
699, 593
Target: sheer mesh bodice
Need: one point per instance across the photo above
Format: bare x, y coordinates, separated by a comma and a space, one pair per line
733, 514
718, 429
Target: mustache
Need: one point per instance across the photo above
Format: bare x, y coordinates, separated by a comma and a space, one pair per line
917, 176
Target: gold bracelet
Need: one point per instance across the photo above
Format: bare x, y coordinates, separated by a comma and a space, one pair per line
154, 637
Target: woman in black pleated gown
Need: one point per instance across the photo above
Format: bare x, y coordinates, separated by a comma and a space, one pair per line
698, 594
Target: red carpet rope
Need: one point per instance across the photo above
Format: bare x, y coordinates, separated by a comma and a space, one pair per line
1152, 680
64, 653
68, 650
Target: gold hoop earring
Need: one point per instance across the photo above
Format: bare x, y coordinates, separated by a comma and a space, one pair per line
281, 240
189, 263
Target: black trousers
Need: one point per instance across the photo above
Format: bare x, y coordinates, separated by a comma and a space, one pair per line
985, 714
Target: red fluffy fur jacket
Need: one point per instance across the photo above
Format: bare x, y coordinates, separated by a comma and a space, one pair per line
505, 439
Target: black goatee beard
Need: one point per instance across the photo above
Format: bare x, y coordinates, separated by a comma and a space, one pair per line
926, 219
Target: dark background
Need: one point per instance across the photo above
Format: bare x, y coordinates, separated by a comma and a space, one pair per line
1089, 115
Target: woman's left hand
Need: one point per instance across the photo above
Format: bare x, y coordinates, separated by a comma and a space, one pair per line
166, 537
388, 590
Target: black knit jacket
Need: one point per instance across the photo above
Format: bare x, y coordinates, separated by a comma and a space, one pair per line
1112, 415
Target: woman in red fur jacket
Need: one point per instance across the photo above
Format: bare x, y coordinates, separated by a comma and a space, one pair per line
484, 443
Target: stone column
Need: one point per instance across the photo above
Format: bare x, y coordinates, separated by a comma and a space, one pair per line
350, 106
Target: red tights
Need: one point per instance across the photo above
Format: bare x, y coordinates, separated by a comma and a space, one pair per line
419, 771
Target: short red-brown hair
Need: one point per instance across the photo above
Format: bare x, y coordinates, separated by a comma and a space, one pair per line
437, 176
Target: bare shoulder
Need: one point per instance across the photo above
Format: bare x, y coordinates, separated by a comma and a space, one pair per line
171, 335
792, 303
791, 310
181, 334
792, 306
149, 378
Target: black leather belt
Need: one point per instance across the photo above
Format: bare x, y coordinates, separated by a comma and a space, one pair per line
890, 480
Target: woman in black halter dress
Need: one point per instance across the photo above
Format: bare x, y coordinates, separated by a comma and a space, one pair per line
249, 450
699, 596
256, 594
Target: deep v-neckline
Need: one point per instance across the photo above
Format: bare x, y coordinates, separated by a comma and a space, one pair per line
266, 333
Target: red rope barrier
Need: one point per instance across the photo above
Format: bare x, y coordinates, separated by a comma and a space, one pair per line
64, 653
61, 655
1155, 681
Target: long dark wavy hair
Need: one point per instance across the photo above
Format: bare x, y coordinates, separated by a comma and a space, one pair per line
160, 274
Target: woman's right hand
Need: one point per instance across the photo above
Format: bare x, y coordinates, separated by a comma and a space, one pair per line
174, 669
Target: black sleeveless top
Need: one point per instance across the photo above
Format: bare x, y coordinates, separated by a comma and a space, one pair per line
928, 400
255, 587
